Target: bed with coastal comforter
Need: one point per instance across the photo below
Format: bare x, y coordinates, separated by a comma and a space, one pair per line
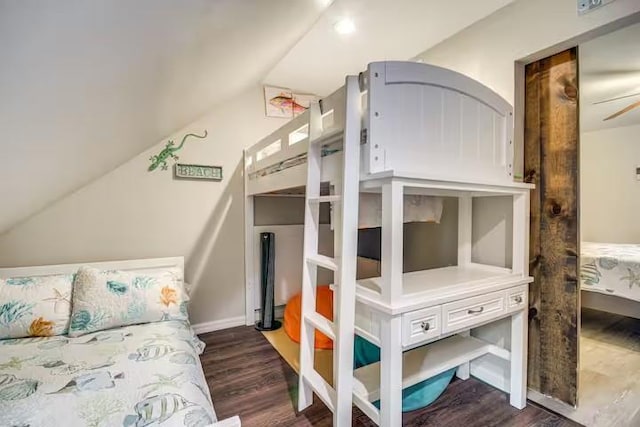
106, 344
611, 268
139, 375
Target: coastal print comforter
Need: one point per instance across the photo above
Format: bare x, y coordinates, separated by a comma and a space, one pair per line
141, 375
612, 269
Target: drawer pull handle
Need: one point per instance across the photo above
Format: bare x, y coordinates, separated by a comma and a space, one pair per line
476, 310
518, 299
425, 326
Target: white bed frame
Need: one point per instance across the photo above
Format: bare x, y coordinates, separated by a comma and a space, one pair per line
400, 128
610, 303
407, 115
381, 155
147, 265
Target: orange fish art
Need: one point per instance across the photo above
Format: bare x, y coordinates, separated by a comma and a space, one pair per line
168, 296
287, 103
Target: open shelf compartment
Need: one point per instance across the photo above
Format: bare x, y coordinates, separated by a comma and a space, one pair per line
423, 363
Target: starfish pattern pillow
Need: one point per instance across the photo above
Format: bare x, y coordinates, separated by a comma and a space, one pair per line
104, 299
38, 306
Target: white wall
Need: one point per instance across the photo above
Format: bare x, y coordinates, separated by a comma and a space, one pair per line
487, 50
131, 213
87, 85
609, 191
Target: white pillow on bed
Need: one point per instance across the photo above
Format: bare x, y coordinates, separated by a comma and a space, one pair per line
35, 306
104, 299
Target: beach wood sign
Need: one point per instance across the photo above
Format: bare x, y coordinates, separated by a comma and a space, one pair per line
211, 173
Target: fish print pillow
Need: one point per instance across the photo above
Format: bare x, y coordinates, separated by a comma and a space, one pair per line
38, 306
104, 299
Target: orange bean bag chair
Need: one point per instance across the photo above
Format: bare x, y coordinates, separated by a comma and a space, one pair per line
292, 314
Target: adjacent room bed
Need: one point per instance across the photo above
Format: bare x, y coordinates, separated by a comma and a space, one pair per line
109, 344
610, 277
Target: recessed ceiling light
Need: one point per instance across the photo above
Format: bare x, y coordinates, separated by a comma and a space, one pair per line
344, 26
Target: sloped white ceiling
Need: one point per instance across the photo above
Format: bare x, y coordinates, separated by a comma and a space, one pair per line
610, 68
385, 30
86, 85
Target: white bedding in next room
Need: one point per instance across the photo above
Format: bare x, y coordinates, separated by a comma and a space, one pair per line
611, 268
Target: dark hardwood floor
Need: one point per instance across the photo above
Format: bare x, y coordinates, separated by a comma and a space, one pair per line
247, 377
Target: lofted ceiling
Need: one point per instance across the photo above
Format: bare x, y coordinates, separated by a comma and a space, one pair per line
86, 85
385, 30
610, 68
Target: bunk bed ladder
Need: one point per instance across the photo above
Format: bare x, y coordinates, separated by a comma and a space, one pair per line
337, 397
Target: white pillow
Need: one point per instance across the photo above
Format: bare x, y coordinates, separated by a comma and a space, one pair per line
35, 306
104, 299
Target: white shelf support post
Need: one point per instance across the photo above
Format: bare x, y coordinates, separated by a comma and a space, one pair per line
464, 229
519, 338
465, 219
521, 204
519, 323
391, 371
391, 327
392, 240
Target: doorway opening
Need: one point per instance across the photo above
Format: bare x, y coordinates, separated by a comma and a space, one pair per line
582, 121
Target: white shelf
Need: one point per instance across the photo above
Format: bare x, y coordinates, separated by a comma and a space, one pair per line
421, 363
438, 286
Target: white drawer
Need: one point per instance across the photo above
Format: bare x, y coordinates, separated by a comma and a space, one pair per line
517, 298
421, 325
468, 312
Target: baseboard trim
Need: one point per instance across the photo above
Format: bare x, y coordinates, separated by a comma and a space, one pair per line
216, 325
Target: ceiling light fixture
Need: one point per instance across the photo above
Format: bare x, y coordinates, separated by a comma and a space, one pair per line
344, 26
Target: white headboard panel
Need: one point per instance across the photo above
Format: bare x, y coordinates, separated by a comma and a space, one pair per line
424, 119
140, 265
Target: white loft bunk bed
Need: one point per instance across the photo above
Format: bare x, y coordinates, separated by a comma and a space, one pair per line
400, 128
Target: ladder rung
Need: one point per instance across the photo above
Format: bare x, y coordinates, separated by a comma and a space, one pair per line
323, 261
322, 324
326, 199
325, 392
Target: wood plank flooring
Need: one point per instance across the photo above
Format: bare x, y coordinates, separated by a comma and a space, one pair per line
609, 393
247, 377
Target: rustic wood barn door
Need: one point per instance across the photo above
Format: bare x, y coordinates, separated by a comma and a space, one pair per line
551, 163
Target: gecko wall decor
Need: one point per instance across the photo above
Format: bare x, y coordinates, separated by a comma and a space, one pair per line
168, 153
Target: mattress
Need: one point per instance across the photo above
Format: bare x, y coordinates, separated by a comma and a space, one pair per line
611, 268
141, 375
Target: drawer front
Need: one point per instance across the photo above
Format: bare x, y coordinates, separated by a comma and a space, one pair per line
466, 313
421, 325
517, 298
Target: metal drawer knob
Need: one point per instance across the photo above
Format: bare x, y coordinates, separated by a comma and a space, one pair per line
476, 310
518, 299
425, 326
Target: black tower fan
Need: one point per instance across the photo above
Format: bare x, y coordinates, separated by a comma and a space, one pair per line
267, 272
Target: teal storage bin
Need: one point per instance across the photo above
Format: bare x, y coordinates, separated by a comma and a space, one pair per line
415, 397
